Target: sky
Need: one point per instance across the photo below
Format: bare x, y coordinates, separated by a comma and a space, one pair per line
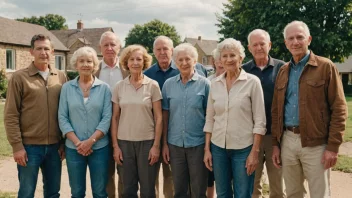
192, 18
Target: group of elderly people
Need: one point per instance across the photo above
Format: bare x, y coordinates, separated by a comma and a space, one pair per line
229, 111
199, 127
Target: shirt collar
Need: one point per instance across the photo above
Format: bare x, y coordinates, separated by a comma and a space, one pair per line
270, 63
195, 76
145, 81
242, 76
33, 70
171, 66
96, 82
104, 65
303, 61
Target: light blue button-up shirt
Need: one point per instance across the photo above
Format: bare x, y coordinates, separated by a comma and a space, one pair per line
292, 92
85, 118
187, 105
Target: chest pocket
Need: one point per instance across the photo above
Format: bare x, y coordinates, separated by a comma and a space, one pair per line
315, 88
196, 100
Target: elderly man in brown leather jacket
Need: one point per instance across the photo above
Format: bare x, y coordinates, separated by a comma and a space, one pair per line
308, 116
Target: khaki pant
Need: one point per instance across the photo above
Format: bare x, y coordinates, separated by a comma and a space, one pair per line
168, 185
274, 174
303, 163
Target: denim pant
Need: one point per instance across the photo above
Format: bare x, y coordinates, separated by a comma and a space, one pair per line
45, 157
230, 165
98, 163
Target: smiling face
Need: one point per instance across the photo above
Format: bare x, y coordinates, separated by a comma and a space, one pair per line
135, 62
185, 63
259, 46
42, 52
219, 68
297, 41
230, 59
85, 65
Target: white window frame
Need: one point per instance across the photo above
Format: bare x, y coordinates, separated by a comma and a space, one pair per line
13, 57
63, 62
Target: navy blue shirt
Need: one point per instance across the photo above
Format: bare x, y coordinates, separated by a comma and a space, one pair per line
157, 74
291, 114
267, 78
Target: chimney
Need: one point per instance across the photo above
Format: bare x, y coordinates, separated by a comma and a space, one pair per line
80, 25
199, 38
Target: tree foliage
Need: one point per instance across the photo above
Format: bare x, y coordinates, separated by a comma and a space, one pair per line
145, 34
49, 21
329, 21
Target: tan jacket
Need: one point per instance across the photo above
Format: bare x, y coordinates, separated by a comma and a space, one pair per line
124, 72
31, 108
322, 104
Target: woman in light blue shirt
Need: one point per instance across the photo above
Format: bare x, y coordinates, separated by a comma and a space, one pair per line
184, 105
84, 119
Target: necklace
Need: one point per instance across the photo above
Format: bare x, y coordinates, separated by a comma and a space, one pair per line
86, 89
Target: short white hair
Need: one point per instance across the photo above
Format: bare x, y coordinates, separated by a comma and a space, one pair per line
216, 55
231, 44
85, 51
299, 23
109, 33
164, 38
185, 47
258, 31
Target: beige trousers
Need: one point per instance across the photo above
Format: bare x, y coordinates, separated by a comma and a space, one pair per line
303, 163
276, 189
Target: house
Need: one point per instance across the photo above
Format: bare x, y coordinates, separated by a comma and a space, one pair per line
204, 49
15, 43
76, 38
345, 70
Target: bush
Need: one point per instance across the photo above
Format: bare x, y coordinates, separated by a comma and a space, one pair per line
71, 74
3, 83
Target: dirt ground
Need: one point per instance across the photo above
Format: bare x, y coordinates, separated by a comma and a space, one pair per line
341, 183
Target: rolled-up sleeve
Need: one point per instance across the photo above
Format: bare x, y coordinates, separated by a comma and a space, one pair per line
209, 119
258, 108
104, 124
63, 113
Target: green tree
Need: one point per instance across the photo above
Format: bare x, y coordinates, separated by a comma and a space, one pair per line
329, 21
146, 33
49, 21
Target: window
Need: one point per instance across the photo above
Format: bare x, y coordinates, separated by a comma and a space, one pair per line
60, 62
204, 60
10, 59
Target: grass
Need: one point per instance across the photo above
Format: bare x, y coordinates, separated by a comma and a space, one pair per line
344, 164
7, 194
348, 133
265, 190
5, 148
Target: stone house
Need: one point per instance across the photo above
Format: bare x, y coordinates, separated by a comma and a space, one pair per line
76, 38
204, 49
15, 39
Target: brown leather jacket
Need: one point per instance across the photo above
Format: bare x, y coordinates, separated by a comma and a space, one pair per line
322, 104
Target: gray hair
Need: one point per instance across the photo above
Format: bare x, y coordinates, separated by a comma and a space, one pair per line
164, 38
109, 33
185, 47
85, 51
258, 31
216, 55
233, 44
299, 23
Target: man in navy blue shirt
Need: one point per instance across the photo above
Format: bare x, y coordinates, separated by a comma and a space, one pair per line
266, 69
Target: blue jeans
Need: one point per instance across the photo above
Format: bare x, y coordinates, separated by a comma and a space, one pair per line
230, 165
98, 163
45, 157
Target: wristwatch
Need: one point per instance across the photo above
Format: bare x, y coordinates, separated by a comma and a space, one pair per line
94, 140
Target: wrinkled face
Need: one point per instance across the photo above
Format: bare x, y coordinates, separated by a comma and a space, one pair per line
230, 59
259, 46
110, 47
297, 41
219, 68
135, 62
185, 63
85, 65
42, 52
163, 51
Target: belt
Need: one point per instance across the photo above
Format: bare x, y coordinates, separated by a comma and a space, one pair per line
294, 129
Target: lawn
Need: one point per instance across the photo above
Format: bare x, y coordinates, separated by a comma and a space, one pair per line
348, 134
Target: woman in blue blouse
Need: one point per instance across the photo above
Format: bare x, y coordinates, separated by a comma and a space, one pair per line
84, 118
